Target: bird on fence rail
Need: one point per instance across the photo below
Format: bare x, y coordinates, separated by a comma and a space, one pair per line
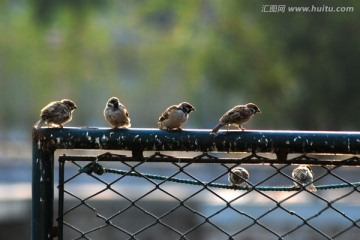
303, 175
238, 175
116, 114
238, 115
175, 116
57, 113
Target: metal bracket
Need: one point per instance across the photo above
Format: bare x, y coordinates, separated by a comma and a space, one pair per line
205, 155
159, 155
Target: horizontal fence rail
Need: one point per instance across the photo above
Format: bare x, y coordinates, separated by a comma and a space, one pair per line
199, 140
151, 146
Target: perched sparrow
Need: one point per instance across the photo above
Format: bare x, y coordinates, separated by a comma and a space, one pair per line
57, 113
304, 176
175, 116
116, 114
238, 175
237, 116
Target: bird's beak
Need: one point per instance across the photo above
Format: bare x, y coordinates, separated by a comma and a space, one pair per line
193, 109
258, 111
75, 107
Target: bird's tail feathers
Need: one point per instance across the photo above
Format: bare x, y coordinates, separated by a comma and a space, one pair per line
216, 129
39, 124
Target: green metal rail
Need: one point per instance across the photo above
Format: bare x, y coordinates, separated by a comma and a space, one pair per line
47, 140
198, 140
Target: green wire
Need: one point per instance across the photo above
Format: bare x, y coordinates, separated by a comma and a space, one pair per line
98, 169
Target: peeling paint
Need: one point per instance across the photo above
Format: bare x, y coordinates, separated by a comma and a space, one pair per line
215, 148
104, 138
88, 137
296, 138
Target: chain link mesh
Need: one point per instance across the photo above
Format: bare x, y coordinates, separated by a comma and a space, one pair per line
170, 197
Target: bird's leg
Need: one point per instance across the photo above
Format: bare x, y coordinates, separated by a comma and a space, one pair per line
240, 127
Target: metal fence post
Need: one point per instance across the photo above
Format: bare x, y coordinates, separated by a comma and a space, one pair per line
42, 190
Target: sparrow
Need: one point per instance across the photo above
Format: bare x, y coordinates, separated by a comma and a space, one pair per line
237, 116
175, 116
238, 175
57, 113
116, 114
304, 176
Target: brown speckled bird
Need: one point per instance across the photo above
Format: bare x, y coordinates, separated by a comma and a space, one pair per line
175, 116
57, 113
303, 176
116, 114
237, 176
237, 116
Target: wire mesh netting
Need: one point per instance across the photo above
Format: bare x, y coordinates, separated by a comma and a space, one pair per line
189, 197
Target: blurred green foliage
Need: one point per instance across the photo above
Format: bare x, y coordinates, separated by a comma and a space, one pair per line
300, 68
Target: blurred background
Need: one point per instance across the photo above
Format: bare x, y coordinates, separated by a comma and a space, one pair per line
301, 69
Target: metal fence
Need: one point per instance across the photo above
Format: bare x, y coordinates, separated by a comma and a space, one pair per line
152, 184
